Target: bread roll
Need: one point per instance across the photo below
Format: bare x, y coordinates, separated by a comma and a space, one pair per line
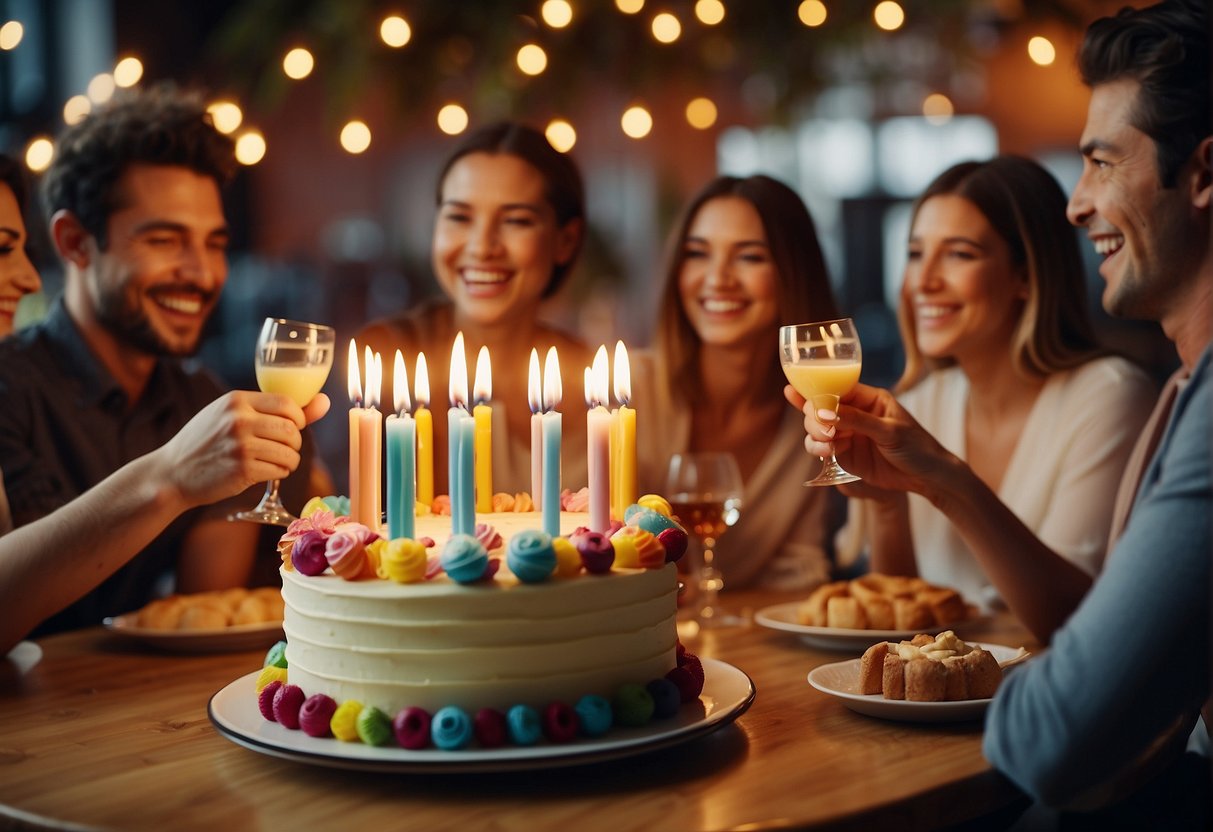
910, 614
893, 678
845, 613
871, 668
926, 680
982, 673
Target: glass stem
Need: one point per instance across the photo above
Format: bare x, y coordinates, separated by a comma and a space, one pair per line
271, 493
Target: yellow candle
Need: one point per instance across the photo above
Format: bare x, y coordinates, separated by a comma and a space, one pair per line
483, 432
425, 433
626, 467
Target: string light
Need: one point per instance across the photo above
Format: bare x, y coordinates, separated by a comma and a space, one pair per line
225, 115
561, 135
701, 113
452, 119
889, 15
128, 71
532, 59
636, 122
937, 108
395, 31
812, 13
666, 28
629, 6
709, 12
76, 108
39, 153
298, 63
556, 13
355, 137
250, 148
101, 88
1041, 51
11, 34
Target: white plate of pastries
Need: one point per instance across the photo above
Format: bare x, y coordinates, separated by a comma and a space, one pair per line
851, 615
928, 678
225, 620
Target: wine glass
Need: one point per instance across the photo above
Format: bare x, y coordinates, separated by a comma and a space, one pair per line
704, 490
822, 361
293, 358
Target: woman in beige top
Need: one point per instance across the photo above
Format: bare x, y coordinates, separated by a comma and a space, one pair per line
744, 260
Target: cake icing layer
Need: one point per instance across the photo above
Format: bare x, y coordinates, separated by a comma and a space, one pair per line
493, 643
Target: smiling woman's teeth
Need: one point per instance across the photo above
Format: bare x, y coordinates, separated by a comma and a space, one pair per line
717, 305
933, 311
476, 276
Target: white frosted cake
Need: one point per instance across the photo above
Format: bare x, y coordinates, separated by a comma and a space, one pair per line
492, 642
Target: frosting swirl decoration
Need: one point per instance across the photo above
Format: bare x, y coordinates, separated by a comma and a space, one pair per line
530, 556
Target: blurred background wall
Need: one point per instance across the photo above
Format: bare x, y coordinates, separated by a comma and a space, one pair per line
856, 103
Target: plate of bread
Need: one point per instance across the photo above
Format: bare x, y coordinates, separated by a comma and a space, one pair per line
929, 678
851, 615
225, 620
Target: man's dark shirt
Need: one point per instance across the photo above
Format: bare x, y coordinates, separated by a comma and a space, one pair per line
65, 425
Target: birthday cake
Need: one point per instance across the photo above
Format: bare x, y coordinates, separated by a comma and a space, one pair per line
507, 621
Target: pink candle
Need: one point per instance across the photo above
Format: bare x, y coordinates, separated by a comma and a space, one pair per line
598, 431
354, 383
535, 399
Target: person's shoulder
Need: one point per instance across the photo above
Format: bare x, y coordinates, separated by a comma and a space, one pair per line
23, 356
416, 328
1110, 377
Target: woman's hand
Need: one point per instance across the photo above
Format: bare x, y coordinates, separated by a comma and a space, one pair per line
875, 438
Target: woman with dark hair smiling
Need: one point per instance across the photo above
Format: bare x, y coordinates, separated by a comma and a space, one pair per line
744, 260
509, 224
18, 277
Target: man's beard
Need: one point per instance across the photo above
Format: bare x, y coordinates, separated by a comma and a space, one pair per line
122, 313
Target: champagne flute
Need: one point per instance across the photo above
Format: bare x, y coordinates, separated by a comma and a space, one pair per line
822, 361
704, 490
293, 358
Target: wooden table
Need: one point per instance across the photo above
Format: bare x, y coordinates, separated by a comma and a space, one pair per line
105, 733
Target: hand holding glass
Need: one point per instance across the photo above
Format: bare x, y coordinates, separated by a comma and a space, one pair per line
705, 493
822, 361
293, 358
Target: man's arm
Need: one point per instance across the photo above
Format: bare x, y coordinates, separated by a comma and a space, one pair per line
238, 440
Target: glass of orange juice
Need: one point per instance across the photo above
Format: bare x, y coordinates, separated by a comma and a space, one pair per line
293, 358
822, 361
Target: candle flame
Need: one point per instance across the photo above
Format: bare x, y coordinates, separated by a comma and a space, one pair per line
400, 386
601, 376
374, 379
552, 390
534, 384
355, 382
623, 374
483, 390
458, 385
421, 382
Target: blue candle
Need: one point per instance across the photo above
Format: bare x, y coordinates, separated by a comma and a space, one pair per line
552, 392
401, 460
401, 467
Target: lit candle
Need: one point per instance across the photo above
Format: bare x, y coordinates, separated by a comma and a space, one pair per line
626, 489
460, 445
535, 399
401, 488
370, 447
483, 418
355, 389
552, 393
598, 429
425, 433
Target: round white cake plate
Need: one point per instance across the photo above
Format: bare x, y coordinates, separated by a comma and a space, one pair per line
727, 693
783, 617
841, 680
